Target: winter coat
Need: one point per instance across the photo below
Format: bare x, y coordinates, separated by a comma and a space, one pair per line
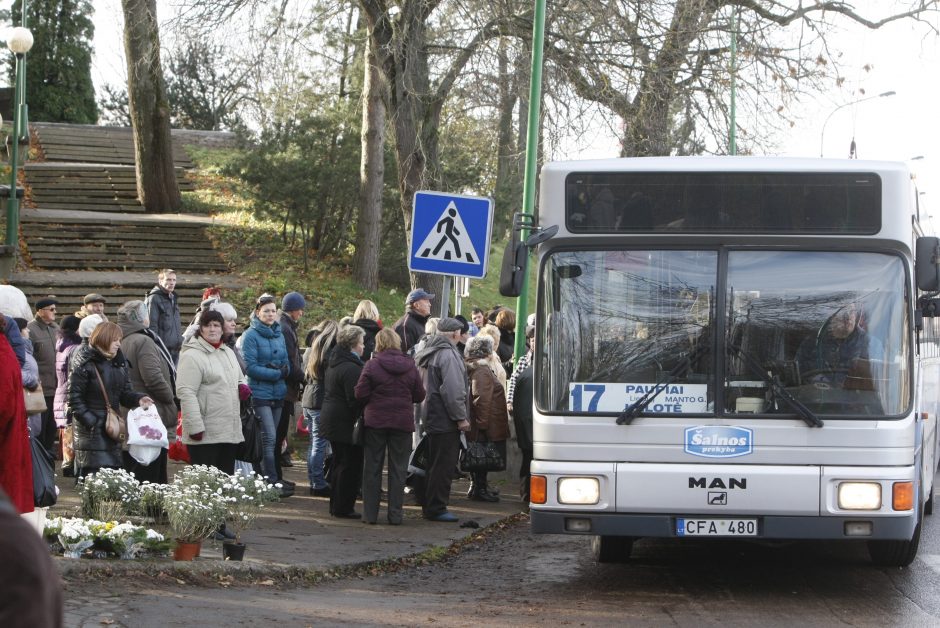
295, 378
389, 386
207, 384
371, 328
150, 370
489, 417
522, 408
411, 328
340, 406
16, 470
63, 351
445, 380
165, 318
506, 348
30, 369
265, 352
44, 335
93, 447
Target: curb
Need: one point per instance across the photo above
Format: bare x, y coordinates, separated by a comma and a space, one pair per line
226, 573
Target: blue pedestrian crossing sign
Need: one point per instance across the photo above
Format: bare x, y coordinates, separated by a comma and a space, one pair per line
450, 234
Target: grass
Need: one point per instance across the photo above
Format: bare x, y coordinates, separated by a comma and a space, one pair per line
256, 251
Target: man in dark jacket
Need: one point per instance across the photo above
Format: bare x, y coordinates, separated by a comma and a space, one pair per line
444, 414
417, 311
44, 333
163, 305
292, 309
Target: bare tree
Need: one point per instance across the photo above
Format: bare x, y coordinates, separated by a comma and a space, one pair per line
149, 108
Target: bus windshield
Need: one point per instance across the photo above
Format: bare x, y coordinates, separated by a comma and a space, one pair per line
829, 327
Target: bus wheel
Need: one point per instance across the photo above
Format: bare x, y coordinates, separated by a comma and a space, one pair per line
612, 549
928, 507
895, 553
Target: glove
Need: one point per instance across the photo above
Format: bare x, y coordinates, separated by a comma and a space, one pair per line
244, 392
198, 435
285, 371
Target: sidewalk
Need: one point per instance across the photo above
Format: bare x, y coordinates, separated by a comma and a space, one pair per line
298, 536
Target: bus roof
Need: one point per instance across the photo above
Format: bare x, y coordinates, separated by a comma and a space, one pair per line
724, 164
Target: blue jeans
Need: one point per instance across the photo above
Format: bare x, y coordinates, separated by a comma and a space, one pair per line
270, 413
319, 449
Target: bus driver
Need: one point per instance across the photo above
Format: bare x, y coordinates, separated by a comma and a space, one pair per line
828, 355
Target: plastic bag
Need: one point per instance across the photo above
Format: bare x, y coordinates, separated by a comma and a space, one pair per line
45, 492
178, 449
144, 427
418, 463
251, 449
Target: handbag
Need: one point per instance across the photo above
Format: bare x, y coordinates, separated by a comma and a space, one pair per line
35, 402
359, 431
114, 425
44, 491
481, 456
251, 449
418, 462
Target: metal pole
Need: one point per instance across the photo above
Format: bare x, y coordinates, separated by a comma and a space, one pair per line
531, 159
734, 75
822, 135
458, 289
445, 296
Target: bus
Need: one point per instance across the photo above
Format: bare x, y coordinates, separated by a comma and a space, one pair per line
734, 347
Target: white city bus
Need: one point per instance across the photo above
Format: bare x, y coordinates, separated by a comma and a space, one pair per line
735, 347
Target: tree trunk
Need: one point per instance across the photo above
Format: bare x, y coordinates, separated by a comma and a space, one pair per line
372, 174
157, 187
507, 199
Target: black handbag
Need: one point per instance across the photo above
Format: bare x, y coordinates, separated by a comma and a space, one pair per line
251, 449
359, 431
43, 476
481, 456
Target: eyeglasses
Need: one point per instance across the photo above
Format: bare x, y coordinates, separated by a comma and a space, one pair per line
51, 308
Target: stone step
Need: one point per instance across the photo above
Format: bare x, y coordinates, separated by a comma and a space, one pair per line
39, 243
117, 252
193, 236
131, 264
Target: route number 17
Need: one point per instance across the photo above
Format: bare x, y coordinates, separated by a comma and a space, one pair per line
594, 393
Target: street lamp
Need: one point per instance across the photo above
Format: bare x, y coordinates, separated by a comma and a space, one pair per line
822, 135
19, 41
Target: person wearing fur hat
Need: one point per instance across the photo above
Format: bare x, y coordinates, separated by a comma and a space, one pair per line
43, 333
489, 419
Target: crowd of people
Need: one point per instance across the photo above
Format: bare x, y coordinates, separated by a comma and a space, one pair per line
368, 394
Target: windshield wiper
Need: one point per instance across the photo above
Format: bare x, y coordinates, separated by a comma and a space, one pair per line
777, 388
635, 409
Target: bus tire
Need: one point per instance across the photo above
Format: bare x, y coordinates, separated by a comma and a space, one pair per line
928, 506
895, 553
612, 549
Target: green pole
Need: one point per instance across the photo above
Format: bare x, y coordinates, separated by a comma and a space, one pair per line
734, 80
20, 128
531, 161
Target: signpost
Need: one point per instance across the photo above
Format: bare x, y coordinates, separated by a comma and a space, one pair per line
450, 236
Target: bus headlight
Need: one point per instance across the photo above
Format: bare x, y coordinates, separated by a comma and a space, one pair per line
579, 491
860, 496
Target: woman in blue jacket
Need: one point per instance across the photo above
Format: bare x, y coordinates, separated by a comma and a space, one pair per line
265, 354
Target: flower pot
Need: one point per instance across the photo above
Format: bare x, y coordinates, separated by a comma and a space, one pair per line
185, 550
233, 551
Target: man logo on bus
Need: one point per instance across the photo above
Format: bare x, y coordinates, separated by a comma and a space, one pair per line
719, 441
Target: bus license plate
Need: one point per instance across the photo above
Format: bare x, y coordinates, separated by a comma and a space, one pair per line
716, 527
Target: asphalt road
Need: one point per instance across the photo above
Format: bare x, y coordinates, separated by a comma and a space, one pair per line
516, 579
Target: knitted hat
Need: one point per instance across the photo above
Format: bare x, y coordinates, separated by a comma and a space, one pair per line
88, 324
293, 301
70, 324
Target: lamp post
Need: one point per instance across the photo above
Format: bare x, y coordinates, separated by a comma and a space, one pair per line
822, 135
19, 41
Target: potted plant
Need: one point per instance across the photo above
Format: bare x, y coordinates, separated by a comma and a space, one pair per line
109, 494
245, 495
193, 513
75, 537
151, 504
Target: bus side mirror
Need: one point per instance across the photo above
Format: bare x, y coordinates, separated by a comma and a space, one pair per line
927, 264
512, 272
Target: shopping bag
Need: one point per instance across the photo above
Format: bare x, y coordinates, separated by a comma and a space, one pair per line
44, 489
178, 450
145, 427
481, 456
418, 463
302, 429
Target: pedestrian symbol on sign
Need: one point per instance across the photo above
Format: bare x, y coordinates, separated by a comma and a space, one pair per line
448, 240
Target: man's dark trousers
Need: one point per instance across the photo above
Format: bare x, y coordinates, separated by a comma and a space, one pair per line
443, 451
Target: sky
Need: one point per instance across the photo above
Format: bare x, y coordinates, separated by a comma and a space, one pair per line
904, 58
